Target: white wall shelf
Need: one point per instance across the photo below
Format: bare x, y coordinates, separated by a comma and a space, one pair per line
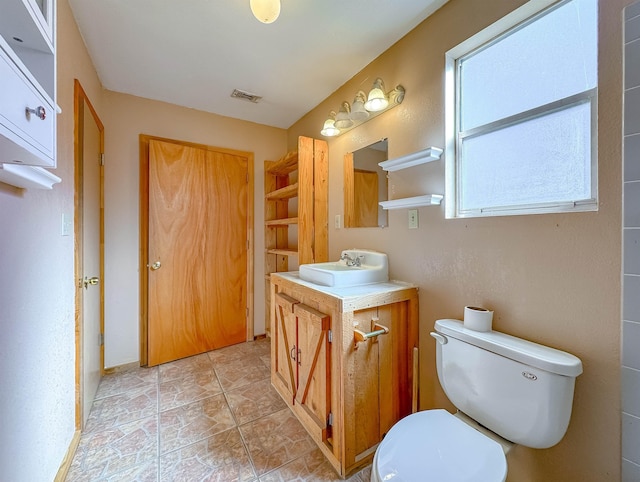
421, 157
27, 177
429, 154
413, 202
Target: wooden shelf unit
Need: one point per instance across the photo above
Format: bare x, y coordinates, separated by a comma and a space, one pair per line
303, 175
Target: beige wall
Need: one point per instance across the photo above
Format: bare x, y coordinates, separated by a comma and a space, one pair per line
125, 118
553, 279
37, 315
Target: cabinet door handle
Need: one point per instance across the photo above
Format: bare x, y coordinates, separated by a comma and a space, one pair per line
40, 112
293, 352
299, 357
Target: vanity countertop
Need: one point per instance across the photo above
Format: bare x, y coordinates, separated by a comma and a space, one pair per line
351, 297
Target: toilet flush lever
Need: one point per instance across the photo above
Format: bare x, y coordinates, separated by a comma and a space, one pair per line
441, 338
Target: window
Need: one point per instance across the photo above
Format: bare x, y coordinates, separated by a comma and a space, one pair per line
522, 114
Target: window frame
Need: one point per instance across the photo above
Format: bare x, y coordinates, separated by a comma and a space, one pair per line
454, 136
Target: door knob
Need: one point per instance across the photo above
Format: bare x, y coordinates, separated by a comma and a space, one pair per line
155, 266
90, 281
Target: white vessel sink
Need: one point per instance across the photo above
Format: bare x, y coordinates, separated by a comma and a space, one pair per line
356, 267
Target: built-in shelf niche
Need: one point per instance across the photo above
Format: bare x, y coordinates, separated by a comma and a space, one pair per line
429, 154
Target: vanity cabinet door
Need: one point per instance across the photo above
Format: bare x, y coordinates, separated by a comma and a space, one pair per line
382, 392
314, 367
285, 370
301, 370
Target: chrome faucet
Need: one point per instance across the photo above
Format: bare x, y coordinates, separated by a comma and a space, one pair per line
357, 261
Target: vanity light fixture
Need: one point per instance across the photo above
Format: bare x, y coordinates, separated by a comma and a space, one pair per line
329, 129
364, 108
267, 11
343, 119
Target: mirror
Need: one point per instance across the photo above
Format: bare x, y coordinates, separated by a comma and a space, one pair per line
365, 185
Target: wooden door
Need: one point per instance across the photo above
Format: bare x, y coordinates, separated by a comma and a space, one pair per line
360, 196
286, 349
314, 367
365, 190
91, 233
197, 250
89, 143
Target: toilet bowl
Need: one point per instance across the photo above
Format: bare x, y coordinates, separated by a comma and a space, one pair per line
492, 379
437, 446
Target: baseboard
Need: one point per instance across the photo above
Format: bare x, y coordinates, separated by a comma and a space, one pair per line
121, 368
68, 458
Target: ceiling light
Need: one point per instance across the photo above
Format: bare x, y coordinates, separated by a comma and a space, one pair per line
377, 99
343, 121
329, 128
266, 11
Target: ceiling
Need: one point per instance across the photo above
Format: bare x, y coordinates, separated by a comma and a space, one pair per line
194, 53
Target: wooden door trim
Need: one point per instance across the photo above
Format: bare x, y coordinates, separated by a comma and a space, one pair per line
79, 95
144, 232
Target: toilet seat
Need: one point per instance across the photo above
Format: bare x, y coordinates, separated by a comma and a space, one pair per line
434, 445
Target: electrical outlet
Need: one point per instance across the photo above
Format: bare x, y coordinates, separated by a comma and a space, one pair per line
413, 218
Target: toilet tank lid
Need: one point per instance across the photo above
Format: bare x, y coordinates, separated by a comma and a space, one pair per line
527, 352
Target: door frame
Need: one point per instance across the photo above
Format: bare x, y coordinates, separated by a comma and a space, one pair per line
79, 95
144, 233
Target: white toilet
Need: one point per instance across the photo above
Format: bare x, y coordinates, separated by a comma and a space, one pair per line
507, 390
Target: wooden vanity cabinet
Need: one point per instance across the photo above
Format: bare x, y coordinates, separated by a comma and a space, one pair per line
346, 394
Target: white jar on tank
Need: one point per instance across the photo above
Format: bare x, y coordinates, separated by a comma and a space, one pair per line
518, 391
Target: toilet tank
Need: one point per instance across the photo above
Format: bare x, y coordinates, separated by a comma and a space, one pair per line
520, 390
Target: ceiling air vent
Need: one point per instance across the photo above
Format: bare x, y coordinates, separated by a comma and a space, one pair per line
240, 94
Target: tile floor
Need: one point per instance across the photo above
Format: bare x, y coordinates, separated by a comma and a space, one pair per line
211, 417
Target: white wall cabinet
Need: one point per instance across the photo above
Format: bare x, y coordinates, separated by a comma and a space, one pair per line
28, 77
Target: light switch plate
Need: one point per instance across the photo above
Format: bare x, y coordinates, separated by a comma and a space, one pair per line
337, 221
413, 218
67, 225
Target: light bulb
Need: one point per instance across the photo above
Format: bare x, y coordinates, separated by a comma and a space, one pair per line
343, 121
358, 112
267, 11
329, 129
377, 98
